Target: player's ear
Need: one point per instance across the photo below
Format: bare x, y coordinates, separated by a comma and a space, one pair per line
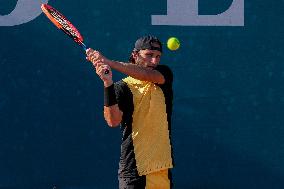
133, 57
134, 54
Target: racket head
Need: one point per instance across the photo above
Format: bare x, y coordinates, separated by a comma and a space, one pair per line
62, 23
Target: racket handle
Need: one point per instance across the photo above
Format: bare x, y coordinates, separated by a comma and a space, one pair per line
83, 46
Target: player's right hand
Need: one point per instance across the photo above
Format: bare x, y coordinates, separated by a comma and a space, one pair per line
101, 69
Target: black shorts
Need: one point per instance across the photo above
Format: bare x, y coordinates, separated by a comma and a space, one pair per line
160, 179
132, 182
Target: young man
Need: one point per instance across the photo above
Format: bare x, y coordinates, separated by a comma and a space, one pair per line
142, 104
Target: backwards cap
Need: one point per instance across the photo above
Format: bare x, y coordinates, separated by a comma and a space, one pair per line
148, 42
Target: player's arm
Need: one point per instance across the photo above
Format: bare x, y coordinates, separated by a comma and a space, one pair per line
133, 70
137, 72
112, 113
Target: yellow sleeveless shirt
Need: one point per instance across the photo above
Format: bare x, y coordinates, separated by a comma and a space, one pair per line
150, 132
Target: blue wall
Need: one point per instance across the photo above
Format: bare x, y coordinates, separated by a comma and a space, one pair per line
228, 125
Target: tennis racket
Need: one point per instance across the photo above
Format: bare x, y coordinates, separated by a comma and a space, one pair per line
64, 25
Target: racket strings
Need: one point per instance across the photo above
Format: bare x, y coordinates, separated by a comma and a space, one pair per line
64, 23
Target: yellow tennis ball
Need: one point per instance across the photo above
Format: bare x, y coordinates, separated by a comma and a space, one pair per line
173, 43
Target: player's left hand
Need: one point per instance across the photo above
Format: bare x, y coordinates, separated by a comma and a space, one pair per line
95, 57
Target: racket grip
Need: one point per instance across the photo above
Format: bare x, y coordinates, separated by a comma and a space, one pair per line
83, 46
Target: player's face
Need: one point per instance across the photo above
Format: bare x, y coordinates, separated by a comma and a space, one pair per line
148, 58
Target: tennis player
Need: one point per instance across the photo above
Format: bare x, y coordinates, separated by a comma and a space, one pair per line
142, 105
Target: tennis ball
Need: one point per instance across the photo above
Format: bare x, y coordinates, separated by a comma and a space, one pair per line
173, 43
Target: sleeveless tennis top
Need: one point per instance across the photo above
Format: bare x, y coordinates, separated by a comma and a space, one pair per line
146, 124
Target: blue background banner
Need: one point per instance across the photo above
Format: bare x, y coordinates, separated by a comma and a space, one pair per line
228, 125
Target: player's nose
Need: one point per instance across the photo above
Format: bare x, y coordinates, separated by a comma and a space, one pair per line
155, 60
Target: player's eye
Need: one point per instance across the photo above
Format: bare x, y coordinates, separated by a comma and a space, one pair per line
150, 55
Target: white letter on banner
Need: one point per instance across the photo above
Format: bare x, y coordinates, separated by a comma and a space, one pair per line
25, 11
185, 13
